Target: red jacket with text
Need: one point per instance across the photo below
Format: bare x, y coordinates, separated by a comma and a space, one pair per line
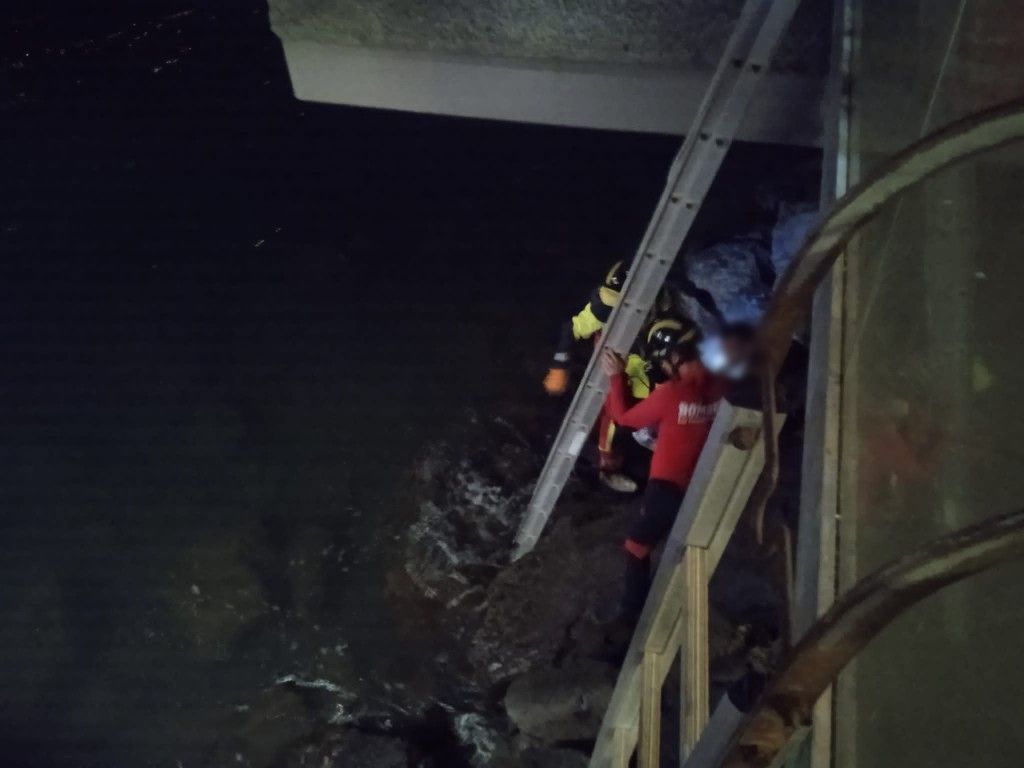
682, 410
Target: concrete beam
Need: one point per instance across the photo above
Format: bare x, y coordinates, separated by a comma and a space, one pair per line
610, 96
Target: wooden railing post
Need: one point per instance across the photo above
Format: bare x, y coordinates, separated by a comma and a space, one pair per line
689, 638
694, 668
649, 746
625, 741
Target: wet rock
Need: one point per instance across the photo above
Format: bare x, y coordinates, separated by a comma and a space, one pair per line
489, 743
790, 232
561, 704
331, 701
725, 637
738, 274
350, 748
214, 593
537, 604
469, 491
749, 609
485, 744
743, 590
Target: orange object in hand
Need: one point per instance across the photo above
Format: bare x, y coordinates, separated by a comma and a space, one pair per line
557, 381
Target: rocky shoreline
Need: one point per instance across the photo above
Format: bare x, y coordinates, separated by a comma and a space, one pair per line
505, 663
514, 668
521, 671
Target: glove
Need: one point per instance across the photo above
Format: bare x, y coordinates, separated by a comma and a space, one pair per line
556, 382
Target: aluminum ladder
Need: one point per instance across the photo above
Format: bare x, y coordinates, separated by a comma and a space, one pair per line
747, 57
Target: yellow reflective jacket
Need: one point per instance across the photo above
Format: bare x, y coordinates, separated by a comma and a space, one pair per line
594, 315
636, 372
589, 322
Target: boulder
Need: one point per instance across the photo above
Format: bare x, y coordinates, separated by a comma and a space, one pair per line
486, 744
563, 704
738, 274
489, 743
469, 490
790, 232
536, 606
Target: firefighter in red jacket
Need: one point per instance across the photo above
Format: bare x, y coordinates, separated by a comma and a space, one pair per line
682, 409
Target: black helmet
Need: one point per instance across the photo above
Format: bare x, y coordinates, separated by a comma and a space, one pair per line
665, 336
616, 277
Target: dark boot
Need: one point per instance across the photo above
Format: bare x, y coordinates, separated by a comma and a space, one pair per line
637, 585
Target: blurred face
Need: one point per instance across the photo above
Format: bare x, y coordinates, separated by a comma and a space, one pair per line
737, 351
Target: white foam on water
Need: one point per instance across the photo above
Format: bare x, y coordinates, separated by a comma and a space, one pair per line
472, 731
320, 683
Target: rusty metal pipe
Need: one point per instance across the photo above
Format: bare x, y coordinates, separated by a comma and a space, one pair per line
953, 144
855, 619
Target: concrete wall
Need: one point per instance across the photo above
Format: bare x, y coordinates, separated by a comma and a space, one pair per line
616, 64
665, 33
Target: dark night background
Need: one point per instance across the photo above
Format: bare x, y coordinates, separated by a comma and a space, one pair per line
226, 315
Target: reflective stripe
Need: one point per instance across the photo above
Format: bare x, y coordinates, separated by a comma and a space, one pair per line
609, 436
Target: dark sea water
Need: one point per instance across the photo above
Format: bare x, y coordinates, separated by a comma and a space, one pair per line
231, 321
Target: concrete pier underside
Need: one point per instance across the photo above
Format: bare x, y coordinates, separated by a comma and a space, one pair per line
610, 64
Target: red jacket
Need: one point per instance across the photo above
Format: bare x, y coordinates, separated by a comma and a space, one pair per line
682, 409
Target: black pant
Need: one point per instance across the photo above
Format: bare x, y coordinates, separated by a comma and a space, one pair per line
662, 501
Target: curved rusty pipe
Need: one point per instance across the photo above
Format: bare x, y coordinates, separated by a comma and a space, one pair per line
769, 477
791, 302
855, 619
953, 144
